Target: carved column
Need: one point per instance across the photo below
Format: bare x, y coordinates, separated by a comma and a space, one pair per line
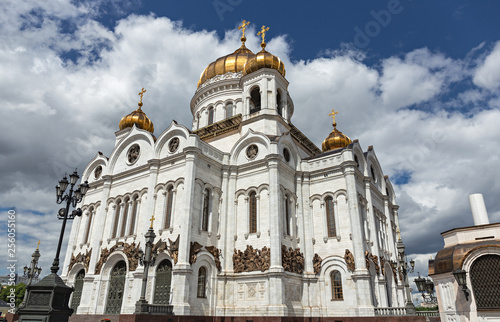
230, 220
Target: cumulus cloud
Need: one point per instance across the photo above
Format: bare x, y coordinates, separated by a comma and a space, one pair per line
63, 94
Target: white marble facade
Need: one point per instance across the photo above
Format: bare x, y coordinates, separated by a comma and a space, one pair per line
289, 184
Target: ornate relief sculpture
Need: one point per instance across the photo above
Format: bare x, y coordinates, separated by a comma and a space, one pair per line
292, 260
173, 145
374, 258
130, 250
98, 172
349, 260
252, 151
173, 249
81, 258
394, 273
367, 259
251, 259
317, 263
216, 254
382, 265
133, 153
194, 249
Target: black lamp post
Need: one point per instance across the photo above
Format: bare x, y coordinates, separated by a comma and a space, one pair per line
146, 259
48, 300
33, 271
410, 308
461, 277
426, 287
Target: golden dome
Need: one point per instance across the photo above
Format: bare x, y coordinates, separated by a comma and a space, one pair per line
264, 59
230, 63
139, 118
336, 139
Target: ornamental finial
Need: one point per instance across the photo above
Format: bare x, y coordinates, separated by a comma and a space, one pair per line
332, 114
141, 93
262, 33
38, 245
243, 27
151, 220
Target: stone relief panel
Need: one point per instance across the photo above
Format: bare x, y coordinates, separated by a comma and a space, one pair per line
317, 263
292, 260
130, 250
251, 259
349, 260
252, 291
216, 254
80, 258
194, 249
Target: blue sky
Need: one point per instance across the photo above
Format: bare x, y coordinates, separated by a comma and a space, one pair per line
422, 86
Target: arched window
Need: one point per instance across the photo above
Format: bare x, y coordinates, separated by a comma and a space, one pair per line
163, 282
279, 105
229, 110
206, 210
330, 217
123, 229
77, 294
336, 281
133, 215
252, 213
202, 280
374, 177
117, 218
210, 115
287, 216
89, 225
168, 207
485, 279
255, 100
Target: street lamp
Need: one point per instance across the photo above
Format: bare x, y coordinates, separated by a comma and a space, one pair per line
461, 277
32, 272
53, 291
403, 262
146, 259
426, 287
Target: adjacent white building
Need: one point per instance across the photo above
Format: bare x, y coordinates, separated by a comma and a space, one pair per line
252, 219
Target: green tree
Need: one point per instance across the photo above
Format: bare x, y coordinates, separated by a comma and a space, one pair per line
20, 289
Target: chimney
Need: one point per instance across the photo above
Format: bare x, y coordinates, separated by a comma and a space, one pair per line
478, 209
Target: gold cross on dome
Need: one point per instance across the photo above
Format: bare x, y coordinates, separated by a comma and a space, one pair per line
332, 114
151, 220
141, 94
243, 26
38, 244
262, 33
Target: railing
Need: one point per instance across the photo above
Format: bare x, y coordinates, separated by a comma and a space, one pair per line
428, 313
390, 311
160, 309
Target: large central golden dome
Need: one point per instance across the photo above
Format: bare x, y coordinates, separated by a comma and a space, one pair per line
233, 63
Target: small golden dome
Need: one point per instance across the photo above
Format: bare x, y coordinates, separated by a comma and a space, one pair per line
336, 139
264, 59
230, 63
139, 118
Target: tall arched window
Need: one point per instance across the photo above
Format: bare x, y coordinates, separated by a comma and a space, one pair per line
287, 215
485, 279
77, 294
279, 105
229, 110
336, 281
168, 207
210, 115
252, 208
330, 217
133, 215
117, 218
89, 225
123, 229
206, 210
255, 100
202, 280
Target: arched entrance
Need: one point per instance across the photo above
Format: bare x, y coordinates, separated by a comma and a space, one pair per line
485, 279
77, 294
163, 282
116, 287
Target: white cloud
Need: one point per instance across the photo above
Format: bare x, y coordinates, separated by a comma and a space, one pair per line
61, 112
487, 75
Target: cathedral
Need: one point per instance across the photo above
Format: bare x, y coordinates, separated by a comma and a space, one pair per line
251, 217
